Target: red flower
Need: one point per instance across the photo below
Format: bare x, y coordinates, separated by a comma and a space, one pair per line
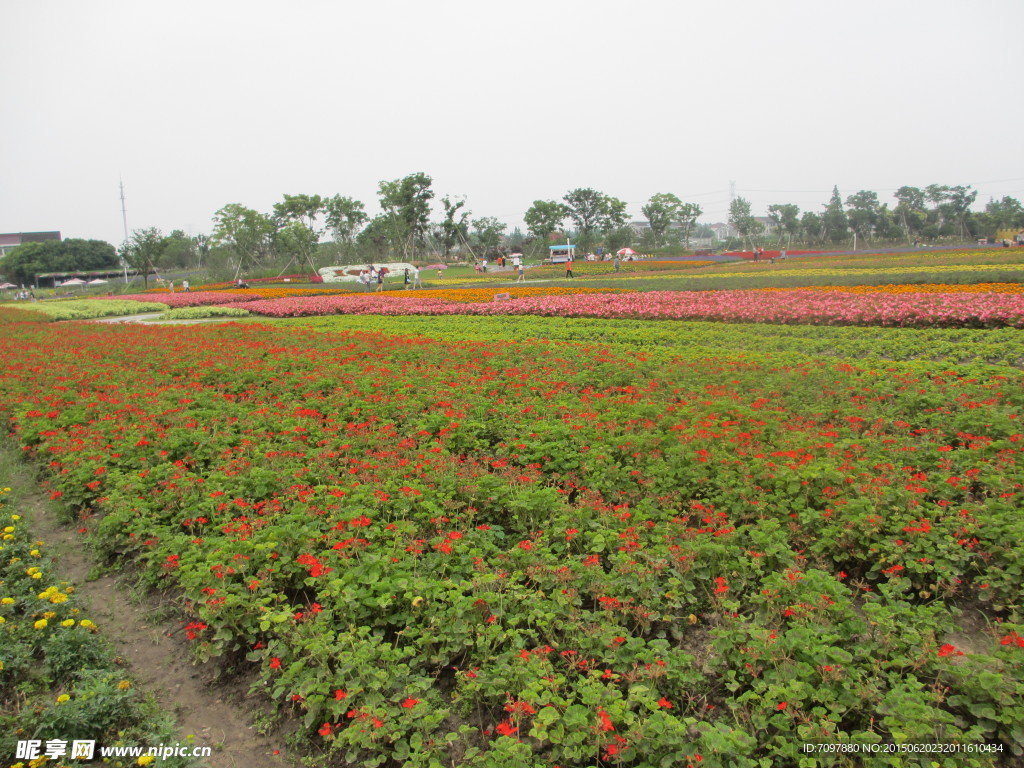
325, 730
782, 705
275, 663
505, 728
340, 694
663, 702
722, 586
948, 650
410, 703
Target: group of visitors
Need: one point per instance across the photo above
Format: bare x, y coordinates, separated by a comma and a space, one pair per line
23, 295
413, 278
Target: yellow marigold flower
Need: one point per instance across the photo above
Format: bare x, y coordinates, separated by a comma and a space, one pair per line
41, 624
58, 597
9, 537
49, 615
15, 517
124, 685
37, 575
7, 601
9, 529
68, 623
2, 620
32, 571
8, 490
146, 759
36, 553
62, 698
87, 624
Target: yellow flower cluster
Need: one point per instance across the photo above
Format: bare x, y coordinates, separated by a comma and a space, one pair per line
54, 595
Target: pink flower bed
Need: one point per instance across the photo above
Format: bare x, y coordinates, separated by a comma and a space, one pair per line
785, 307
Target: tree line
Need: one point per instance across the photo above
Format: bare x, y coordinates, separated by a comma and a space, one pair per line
930, 213
304, 232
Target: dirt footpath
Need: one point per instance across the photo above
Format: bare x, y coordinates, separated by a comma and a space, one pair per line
157, 654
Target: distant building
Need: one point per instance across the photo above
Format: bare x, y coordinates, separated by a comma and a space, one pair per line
11, 240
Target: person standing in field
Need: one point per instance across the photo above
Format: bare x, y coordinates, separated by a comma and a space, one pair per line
185, 286
568, 268
380, 281
405, 278
617, 263
416, 282
521, 269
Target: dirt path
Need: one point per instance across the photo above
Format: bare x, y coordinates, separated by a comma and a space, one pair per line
158, 657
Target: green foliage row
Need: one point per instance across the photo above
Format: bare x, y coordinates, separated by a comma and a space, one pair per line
955, 346
198, 313
538, 552
90, 309
58, 675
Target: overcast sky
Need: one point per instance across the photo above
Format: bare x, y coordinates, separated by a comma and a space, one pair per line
199, 104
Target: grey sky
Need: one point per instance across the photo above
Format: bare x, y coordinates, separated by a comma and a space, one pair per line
200, 104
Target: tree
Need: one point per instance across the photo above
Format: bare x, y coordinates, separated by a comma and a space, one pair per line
687, 216
488, 232
545, 217
1004, 214
407, 202
303, 208
144, 250
614, 216
910, 210
661, 210
834, 221
344, 216
863, 213
786, 219
586, 207
957, 208
297, 241
454, 227
179, 250
812, 226
22, 264
743, 221
246, 232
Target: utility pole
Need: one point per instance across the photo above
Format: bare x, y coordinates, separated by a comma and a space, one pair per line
124, 219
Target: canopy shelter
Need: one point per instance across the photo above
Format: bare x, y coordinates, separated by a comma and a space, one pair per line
72, 281
97, 281
82, 275
626, 252
557, 254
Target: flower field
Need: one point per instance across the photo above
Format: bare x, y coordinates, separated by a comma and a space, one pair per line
927, 310
566, 547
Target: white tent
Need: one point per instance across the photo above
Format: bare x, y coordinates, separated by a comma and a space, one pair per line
97, 281
73, 281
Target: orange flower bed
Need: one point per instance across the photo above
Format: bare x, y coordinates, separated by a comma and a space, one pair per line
911, 288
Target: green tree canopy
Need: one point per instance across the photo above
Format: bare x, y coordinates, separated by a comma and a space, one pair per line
834, 222
687, 215
144, 251
661, 210
248, 233
488, 232
454, 227
345, 216
407, 202
22, 264
545, 217
743, 221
